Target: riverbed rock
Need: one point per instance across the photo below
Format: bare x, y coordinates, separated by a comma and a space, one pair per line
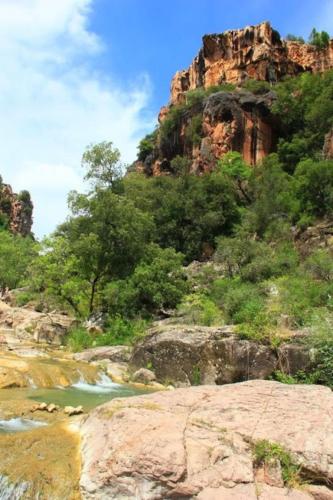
28, 325
117, 354
192, 355
198, 442
144, 376
71, 410
39, 372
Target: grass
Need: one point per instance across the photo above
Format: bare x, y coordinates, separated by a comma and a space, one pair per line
268, 453
118, 332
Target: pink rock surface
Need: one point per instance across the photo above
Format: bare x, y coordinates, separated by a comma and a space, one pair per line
197, 442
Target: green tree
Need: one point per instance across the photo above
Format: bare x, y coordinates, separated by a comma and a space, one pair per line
16, 253
107, 235
314, 187
233, 165
319, 38
102, 162
157, 283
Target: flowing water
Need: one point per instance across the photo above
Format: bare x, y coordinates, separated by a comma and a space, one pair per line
39, 452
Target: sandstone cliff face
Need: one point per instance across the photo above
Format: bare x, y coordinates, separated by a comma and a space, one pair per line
255, 52
238, 120
229, 121
17, 208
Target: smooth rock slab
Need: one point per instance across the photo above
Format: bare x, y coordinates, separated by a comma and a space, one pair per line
197, 442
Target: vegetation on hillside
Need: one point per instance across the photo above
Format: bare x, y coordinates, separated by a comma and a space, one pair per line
122, 250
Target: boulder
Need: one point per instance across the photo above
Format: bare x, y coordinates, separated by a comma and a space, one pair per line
117, 354
28, 325
144, 376
71, 410
192, 355
198, 442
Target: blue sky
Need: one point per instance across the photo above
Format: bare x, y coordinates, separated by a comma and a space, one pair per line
74, 72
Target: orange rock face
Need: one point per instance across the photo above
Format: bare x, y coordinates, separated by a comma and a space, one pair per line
255, 52
237, 120
18, 211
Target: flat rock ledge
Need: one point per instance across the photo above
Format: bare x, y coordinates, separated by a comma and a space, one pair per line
198, 443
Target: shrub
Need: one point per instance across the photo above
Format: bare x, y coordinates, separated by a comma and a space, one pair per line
199, 309
299, 296
314, 187
23, 298
241, 302
158, 282
120, 331
320, 264
256, 86
79, 339
147, 145
268, 453
193, 132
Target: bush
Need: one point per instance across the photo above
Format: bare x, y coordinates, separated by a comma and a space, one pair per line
147, 145
193, 132
157, 283
256, 86
23, 298
320, 265
314, 187
268, 453
120, 331
241, 302
199, 309
79, 339
300, 296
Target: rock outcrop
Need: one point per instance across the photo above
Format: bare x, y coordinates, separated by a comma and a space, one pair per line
188, 355
17, 208
255, 52
198, 443
21, 324
229, 120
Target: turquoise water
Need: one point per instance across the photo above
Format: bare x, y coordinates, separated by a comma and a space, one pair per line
83, 394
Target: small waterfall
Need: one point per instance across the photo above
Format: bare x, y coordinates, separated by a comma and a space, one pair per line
103, 385
12, 491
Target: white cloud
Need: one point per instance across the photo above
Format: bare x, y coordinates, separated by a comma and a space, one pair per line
53, 102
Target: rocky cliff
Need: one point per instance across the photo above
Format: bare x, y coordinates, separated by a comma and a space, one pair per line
255, 52
16, 210
211, 112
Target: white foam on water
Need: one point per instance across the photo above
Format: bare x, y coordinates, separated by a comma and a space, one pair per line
103, 385
19, 425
